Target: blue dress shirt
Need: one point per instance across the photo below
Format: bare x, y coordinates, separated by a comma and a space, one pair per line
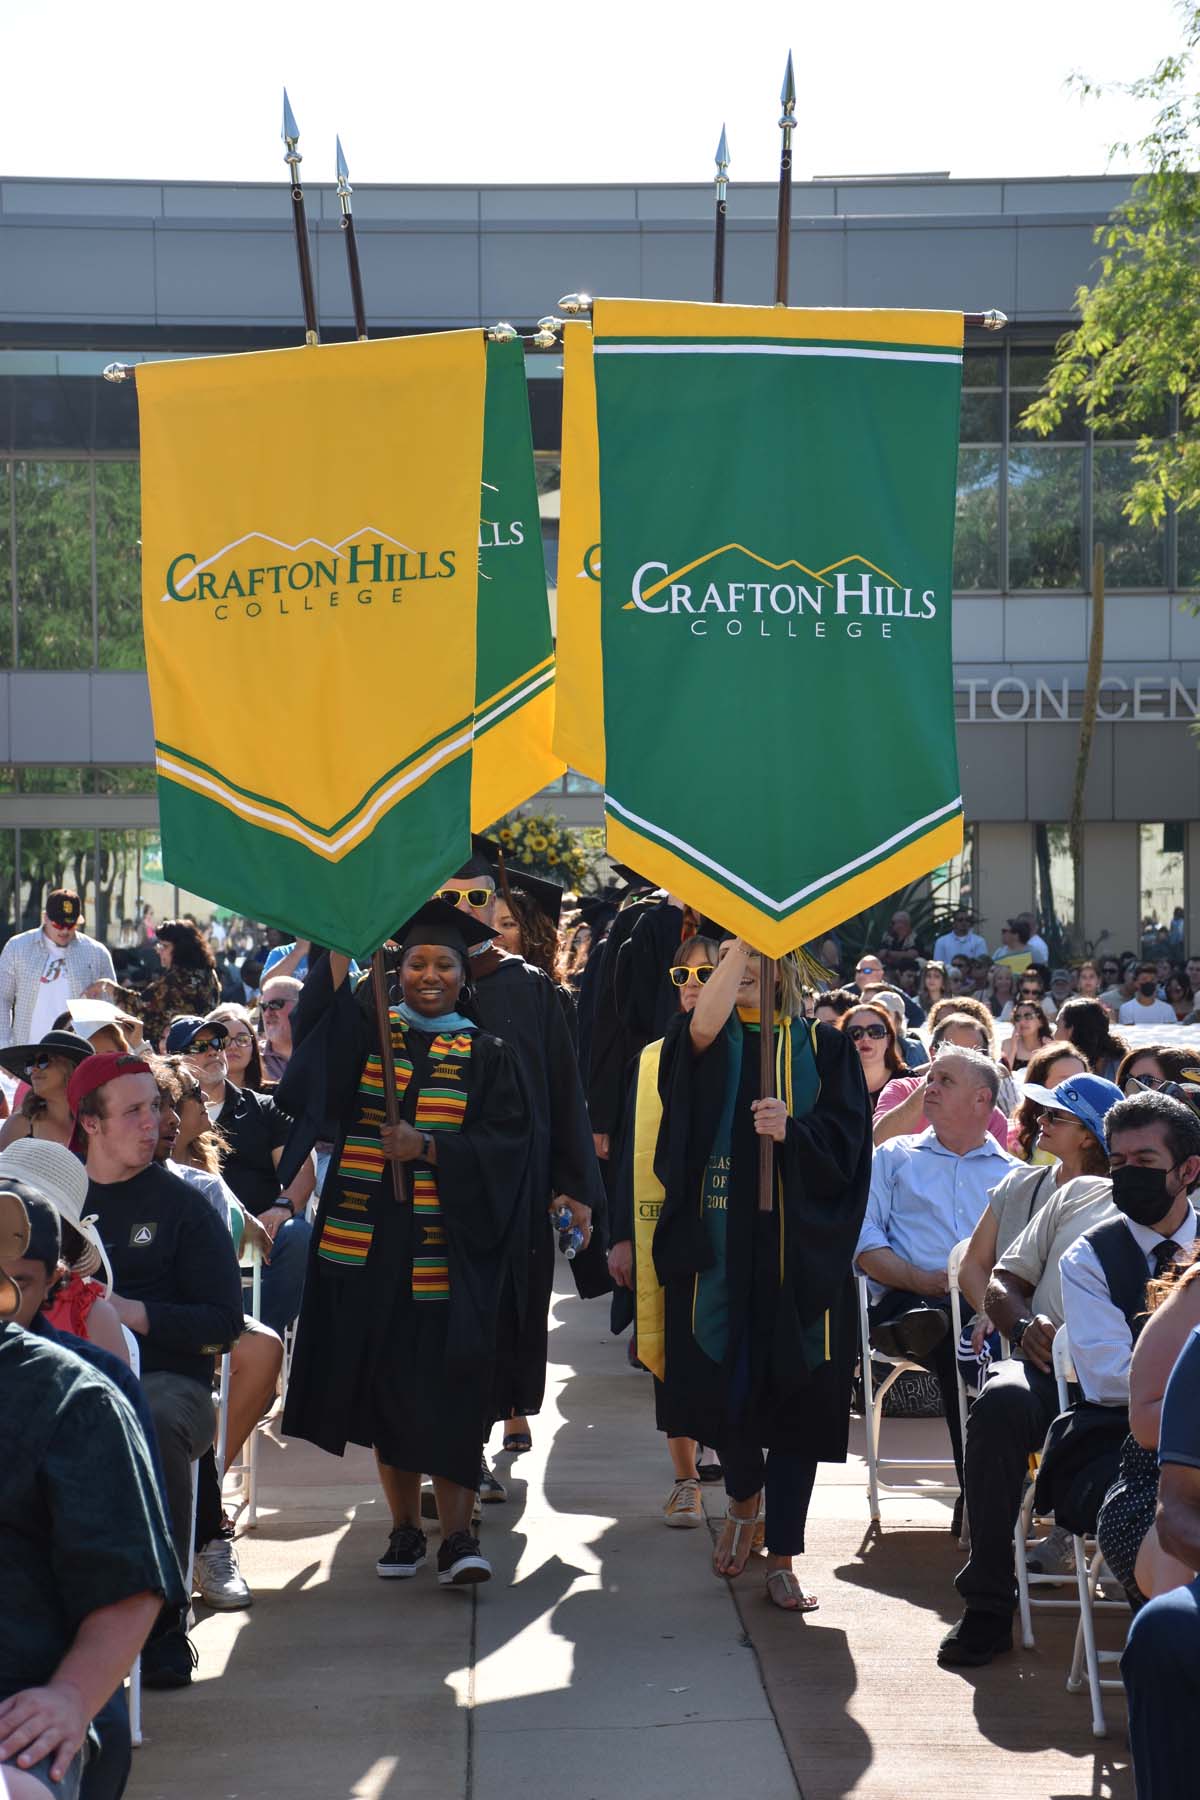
924, 1198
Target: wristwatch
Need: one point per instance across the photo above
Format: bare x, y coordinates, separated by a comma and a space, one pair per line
286, 1200
426, 1145
1018, 1332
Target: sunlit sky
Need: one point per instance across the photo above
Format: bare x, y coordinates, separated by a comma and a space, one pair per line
632, 91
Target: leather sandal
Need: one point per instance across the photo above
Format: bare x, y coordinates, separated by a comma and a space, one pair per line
517, 1442
738, 1551
789, 1591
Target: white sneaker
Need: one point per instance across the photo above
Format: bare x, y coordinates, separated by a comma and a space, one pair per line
218, 1579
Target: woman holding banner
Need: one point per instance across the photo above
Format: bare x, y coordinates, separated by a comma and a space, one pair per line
759, 1316
397, 1330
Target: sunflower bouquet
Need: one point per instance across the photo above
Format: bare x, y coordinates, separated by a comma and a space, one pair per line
542, 844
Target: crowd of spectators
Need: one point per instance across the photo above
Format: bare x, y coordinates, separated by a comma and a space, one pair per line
1026, 1109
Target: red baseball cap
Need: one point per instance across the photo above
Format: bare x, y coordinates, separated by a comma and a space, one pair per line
97, 1071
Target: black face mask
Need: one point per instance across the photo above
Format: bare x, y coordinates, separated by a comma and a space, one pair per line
1149, 988
1141, 1194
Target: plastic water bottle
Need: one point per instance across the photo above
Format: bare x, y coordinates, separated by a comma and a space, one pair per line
570, 1236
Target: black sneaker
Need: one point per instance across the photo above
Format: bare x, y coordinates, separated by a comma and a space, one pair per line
168, 1660
460, 1561
976, 1638
912, 1335
405, 1554
490, 1491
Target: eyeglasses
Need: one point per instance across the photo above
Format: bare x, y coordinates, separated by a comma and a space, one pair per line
854, 1032
242, 1041
39, 1063
472, 896
202, 1046
1031, 993
1025, 1013
267, 1006
682, 973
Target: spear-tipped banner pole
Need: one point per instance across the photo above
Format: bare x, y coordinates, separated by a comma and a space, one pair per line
719, 223
783, 229
291, 156
344, 191
768, 972
291, 137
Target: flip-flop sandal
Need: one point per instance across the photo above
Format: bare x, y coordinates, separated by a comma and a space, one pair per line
789, 1590
739, 1549
517, 1442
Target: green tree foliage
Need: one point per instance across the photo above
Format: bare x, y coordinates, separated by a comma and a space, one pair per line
1136, 349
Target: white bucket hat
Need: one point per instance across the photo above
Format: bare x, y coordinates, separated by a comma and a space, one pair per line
58, 1175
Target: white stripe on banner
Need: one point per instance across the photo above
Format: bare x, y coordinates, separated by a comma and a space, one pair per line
783, 906
926, 356
531, 687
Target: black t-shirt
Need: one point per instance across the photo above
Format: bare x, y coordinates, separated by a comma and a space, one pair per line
81, 1522
169, 1250
254, 1127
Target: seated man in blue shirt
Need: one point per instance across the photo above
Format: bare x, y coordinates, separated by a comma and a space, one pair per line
927, 1194
1161, 1664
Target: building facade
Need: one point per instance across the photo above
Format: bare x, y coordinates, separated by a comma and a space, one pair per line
92, 272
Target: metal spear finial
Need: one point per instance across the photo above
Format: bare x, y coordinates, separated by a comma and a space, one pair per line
722, 156
290, 134
788, 93
343, 171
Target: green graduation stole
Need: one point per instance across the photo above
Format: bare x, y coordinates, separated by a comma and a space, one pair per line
798, 1083
441, 1106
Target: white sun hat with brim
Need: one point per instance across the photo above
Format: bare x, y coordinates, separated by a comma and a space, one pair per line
90, 1016
58, 1175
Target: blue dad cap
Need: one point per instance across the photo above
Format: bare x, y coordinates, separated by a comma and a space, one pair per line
187, 1028
1087, 1097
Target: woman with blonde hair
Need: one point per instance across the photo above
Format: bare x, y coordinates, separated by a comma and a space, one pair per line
935, 985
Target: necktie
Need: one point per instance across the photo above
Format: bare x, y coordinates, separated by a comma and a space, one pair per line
1162, 1254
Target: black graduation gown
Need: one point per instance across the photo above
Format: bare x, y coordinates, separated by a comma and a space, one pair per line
373, 1366
824, 1165
521, 1005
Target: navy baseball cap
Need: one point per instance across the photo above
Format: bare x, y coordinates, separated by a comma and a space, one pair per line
187, 1028
1087, 1097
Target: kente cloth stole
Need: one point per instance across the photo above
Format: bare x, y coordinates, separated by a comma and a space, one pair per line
798, 1083
441, 1107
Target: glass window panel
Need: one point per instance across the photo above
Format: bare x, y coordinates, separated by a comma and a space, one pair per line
48, 412
982, 418
1029, 365
1070, 428
58, 778
1160, 885
133, 779
545, 413
118, 566
550, 550
116, 421
981, 368
1054, 887
5, 565
1188, 529
977, 521
54, 564
581, 784
1134, 555
1045, 516
1157, 424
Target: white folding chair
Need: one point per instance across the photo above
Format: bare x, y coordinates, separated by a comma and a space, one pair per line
953, 1264
1089, 1562
244, 1472
873, 1398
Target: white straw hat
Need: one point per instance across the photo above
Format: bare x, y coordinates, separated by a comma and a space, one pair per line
58, 1175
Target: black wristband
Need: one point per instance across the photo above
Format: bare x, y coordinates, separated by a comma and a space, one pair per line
286, 1200
1018, 1332
426, 1145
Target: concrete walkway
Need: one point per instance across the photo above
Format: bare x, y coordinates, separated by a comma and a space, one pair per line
604, 1662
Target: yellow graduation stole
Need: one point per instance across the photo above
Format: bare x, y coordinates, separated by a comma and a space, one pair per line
648, 1197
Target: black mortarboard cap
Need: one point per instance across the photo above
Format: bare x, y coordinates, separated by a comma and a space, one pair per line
482, 860
439, 923
547, 896
631, 876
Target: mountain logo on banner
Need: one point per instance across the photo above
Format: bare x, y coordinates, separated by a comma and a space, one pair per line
249, 576
852, 589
